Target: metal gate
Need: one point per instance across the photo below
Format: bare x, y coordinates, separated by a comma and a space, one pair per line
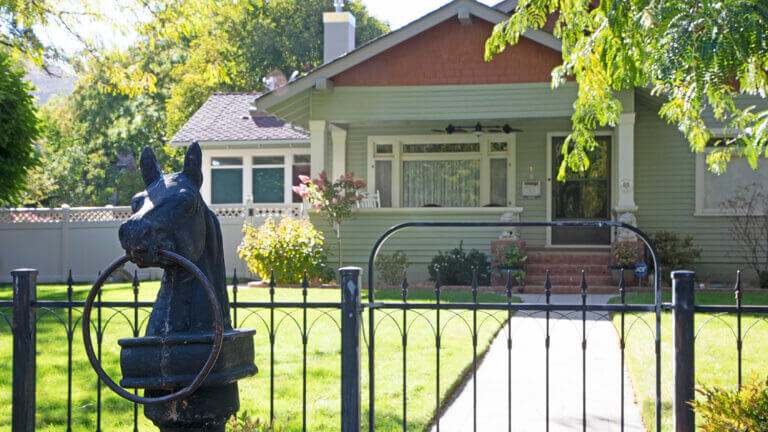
380, 310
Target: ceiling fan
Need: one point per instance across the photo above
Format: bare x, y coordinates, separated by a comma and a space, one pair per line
477, 129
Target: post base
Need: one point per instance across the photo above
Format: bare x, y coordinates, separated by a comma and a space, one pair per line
205, 410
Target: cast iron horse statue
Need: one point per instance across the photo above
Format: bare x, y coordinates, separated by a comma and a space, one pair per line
170, 215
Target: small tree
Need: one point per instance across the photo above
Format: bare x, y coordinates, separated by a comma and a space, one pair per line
18, 130
748, 216
334, 200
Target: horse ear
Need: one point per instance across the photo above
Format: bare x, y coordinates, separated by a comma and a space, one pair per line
150, 169
193, 164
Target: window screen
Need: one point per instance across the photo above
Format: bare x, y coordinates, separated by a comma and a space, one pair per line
227, 186
268, 185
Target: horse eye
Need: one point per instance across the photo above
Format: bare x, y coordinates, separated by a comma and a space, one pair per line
136, 204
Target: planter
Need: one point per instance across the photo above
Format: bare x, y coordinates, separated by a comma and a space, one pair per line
517, 275
629, 274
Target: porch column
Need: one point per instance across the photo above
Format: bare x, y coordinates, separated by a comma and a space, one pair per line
317, 146
339, 142
626, 207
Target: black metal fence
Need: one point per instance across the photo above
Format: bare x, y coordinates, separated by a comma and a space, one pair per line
348, 316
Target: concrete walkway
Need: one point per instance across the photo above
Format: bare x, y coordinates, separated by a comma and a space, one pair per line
528, 377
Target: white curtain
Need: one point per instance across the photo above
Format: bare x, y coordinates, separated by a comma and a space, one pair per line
446, 183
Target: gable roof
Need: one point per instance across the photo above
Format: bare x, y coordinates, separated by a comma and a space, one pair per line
389, 40
229, 117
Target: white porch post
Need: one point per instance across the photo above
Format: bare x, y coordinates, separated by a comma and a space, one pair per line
317, 146
339, 142
626, 165
626, 207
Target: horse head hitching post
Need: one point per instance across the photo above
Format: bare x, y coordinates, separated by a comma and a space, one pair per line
191, 358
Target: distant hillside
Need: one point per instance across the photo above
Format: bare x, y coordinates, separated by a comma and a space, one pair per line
48, 85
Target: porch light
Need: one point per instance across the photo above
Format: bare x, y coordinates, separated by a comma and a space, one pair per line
339, 4
478, 130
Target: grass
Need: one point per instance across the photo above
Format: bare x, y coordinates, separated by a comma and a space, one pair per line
323, 362
715, 350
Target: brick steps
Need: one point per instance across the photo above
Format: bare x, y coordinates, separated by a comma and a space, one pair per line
565, 269
568, 269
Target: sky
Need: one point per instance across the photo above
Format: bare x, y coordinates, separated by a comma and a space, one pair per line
396, 12
400, 12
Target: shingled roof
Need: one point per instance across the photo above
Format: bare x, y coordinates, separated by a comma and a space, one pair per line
226, 117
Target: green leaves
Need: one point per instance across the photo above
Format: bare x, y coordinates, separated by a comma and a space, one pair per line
700, 57
18, 131
730, 410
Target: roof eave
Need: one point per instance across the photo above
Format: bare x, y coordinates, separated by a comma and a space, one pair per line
240, 143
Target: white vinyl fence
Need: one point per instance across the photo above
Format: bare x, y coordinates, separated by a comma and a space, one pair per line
84, 239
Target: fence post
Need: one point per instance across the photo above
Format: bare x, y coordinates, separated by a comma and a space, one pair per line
685, 372
350, 348
24, 339
65, 242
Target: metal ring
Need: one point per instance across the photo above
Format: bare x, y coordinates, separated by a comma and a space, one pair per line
212, 357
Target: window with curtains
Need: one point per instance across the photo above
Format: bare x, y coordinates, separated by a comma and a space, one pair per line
442, 171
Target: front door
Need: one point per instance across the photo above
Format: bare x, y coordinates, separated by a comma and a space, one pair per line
584, 195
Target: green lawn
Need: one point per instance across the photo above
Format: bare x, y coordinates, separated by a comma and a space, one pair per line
715, 355
323, 389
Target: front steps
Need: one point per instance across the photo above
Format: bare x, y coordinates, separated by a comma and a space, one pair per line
565, 267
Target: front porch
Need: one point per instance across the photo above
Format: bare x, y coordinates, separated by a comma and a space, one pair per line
423, 173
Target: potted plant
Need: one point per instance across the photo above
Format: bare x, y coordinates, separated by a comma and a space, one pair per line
511, 260
625, 256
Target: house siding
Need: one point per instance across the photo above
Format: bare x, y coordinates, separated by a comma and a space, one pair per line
467, 102
665, 192
453, 53
419, 244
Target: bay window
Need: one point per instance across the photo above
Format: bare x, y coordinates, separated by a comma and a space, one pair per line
260, 176
442, 170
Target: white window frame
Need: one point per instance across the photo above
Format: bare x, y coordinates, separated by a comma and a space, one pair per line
247, 166
484, 156
701, 168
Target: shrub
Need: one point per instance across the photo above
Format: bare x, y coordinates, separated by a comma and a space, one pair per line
391, 268
674, 253
724, 410
625, 254
456, 266
288, 248
764, 279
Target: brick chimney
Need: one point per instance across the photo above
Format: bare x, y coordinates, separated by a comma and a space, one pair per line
339, 31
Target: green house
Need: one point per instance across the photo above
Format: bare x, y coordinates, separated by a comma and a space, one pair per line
442, 135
